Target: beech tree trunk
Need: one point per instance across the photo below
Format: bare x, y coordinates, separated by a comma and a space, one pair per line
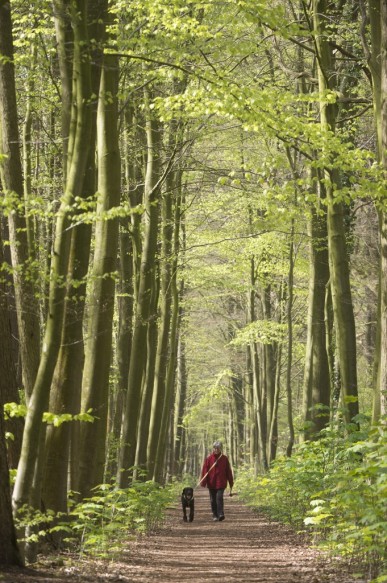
171, 238
9, 553
12, 180
98, 346
338, 258
317, 378
382, 385
8, 378
65, 394
181, 393
80, 140
143, 305
258, 390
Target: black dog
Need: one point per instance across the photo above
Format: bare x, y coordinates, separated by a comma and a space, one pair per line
188, 501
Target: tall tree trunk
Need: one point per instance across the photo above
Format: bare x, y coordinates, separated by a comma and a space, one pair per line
12, 181
171, 248
59, 265
30, 86
9, 552
162, 356
268, 382
372, 19
64, 38
377, 60
289, 319
124, 337
65, 394
130, 256
148, 382
98, 346
9, 389
317, 377
250, 428
338, 259
383, 310
143, 307
181, 392
258, 402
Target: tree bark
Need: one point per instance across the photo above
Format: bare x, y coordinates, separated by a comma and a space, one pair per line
383, 310
317, 378
181, 393
258, 400
65, 394
338, 259
8, 379
98, 346
171, 254
142, 311
9, 552
12, 181
59, 265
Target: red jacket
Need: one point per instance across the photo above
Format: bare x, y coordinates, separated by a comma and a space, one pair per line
219, 475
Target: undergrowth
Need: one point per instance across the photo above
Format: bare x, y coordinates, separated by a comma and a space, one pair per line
336, 489
100, 525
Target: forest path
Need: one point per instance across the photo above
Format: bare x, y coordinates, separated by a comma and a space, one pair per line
245, 547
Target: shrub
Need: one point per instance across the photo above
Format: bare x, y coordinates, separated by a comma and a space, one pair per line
100, 524
334, 487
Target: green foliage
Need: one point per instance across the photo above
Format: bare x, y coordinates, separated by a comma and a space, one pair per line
56, 419
264, 331
100, 525
34, 523
336, 487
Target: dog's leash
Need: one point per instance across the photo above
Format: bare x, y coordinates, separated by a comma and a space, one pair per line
205, 476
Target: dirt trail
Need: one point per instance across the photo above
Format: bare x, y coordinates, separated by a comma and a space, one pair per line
245, 547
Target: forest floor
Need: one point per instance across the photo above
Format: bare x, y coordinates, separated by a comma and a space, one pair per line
245, 547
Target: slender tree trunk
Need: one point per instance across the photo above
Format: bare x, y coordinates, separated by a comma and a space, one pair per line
12, 181
98, 347
258, 402
65, 394
372, 19
142, 312
181, 393
377, 59
9, 552
289, 312
64, 38
8, 379
148, 382
317, 377
59, 265
27, 154
271, 421
338, 259
130, 254
250, 429
162, 356
124, 333
383, 311
173, 249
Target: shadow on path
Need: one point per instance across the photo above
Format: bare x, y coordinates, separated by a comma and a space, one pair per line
245, 547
